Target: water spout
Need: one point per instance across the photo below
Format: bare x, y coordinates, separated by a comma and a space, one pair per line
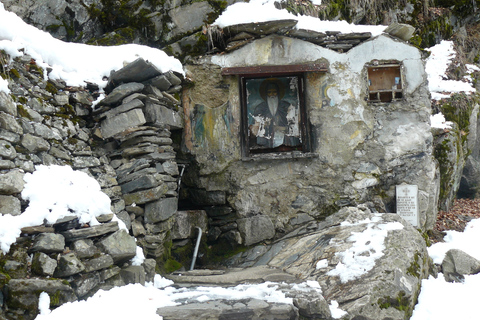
195, 252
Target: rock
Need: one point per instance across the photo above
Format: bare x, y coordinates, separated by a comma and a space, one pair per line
125, 218
34, 144
144, 182
11, 182
186, 222
43, 265
9, 123
121, 122
145, 196
124, 107
120, 245
86, 283
261, 28
159, 115
85, 162
7, 104
121, 92
24, 293
400, 30
10, 205
84, 248
256, 229
388, 288
149, 266
160, 210
136, 71
49, 243
133, 274
99, 263
457, 263
230, 309
95, 231
312, 307
207, 198
188, 18
68, 265
7, 150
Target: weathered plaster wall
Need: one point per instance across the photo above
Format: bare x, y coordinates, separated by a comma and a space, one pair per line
362, 149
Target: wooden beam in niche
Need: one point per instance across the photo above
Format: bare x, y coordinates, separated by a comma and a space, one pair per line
281, 69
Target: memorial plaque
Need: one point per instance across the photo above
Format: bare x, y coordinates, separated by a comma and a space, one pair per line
407, 203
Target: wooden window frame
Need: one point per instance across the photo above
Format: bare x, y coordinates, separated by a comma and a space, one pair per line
392, 88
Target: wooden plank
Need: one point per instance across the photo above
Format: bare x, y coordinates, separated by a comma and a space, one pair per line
284, 69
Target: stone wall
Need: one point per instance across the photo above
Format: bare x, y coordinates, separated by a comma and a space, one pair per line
360, 150
125, 143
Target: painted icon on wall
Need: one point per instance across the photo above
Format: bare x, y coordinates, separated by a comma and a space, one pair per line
273, 109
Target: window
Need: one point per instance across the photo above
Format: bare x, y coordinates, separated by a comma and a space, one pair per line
385, 83
274, 117
273, 114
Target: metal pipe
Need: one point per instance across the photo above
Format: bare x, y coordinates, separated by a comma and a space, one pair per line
195, 252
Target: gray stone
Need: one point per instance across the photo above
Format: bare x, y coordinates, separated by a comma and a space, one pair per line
256, 229
145, 196
9, 136
160, 210
99, 263
124, 107
171, 168
161, 82
144, 182
188, 18
262, 28
93, 231
159, 115
86, 283
400, 30
207, 198
7, 104
125, 218
136, 71
68, 265
121, 122
24, 293
315, 307
457, 263
49, 243
120, 245
106, 217
85, 162
7, 150
34, 144
137, 228
43, 265
185, 223
133, 274
10, 205
121, 92
11, 182
45, 132
398, 272
6, 164
9, 123
60, 154
61, 99
149, 265
84, 248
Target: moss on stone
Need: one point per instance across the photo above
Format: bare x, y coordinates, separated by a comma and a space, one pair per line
400, 302
22, 112
50, 87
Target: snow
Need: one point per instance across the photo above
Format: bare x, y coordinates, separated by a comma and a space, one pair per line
264, 10
438, 121
367, 247
441, 55
74, 63
75, 193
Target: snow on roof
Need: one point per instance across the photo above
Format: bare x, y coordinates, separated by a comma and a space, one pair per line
265, 10
73, 62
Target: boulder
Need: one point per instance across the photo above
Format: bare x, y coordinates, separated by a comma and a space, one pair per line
255, 229
11, 182
10, 205
160, 210
457, 263
371, 264
24, 293
49, 243
68, 265
43, 265
159, 115
133, 274
119, 245
114, 125
186, 222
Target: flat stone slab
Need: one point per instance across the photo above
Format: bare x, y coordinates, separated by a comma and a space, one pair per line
95, 231
232, 276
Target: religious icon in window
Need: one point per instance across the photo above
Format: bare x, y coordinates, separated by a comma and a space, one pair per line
273, 111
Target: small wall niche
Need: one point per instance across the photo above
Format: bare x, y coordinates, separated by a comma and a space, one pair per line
385, 83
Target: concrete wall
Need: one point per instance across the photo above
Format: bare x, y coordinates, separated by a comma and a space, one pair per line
361, 150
